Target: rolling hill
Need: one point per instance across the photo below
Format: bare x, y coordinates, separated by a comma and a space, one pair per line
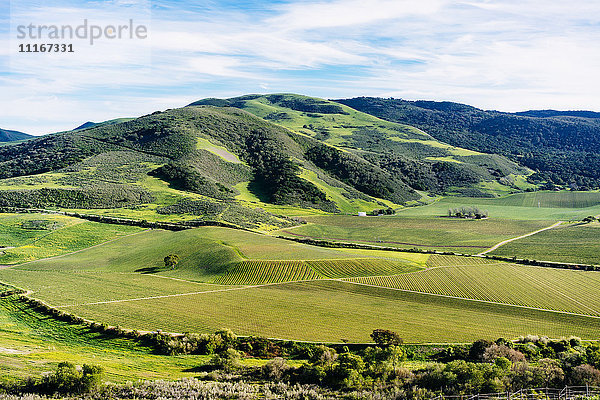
250, 161
13, 136
562, 147
419, 160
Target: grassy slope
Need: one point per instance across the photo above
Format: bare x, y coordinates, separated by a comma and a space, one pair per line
465, 236
341, 130
31, 344
332, 311
65, 235
569, 243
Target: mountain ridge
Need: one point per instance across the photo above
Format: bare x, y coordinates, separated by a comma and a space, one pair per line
13, 136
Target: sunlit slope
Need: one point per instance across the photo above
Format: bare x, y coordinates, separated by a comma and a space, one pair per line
424, 162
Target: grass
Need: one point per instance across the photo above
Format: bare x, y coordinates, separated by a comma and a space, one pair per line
333, 310
336, 194
568, 243
547, 288
35, 236
218, 150
32, 344
462, 235
555, 206
346, 294
359, 267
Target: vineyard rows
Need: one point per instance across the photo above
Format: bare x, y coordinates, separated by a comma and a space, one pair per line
358, 267
547, 288
264, 271
438, 260
253, 272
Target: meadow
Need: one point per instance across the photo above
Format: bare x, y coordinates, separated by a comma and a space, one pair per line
428, 233
543, 205
570, 243
28, 237
295, 291
32, 344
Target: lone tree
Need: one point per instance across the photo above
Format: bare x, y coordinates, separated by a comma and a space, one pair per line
384, 338
171, 260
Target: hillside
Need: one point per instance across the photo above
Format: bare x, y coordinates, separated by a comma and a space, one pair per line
193, 163
253, 164
561, 146
13, 136
90, 124
402, 151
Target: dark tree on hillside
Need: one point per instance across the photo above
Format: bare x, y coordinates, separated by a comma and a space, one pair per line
171, 260
384, 337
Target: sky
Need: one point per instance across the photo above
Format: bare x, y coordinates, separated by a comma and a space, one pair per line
504, 55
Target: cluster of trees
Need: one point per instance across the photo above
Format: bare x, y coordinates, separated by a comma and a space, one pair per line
432, 176
308, 105
481, 367
186, 177
467, 212
277, 175
360, 174
104, 195
67, 379
382, 211
561, 147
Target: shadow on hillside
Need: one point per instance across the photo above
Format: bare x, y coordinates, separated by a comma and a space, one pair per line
150, 270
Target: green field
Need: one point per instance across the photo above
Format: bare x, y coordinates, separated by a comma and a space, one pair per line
555, 206
570, 243
333, 310
32, 236
32, 344
537, 287
345, 294
450, 234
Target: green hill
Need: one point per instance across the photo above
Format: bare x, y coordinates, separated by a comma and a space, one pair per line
252, 161
13, 136
562, 147
402, 151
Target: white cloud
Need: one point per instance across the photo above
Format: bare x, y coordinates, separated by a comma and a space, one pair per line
506, 55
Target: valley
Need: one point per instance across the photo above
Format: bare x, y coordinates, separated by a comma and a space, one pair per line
270, 188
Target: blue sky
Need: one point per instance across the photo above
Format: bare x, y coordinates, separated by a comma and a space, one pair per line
506, 55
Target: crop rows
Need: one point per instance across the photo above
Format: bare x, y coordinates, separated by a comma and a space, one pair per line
358, 267
438, 260
547, 288
332, 311
265, 271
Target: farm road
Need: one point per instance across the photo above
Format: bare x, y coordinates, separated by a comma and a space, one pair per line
519, 237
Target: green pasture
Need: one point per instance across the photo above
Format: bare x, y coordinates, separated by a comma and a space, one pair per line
28, 237
450, 234
568, 243
557, 206
32, 344
336, 311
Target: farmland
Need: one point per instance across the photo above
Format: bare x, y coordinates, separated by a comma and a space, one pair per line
307, 310
554, 206
32, 343
570, 243
32, 236
116, 275
448, 234
291, 290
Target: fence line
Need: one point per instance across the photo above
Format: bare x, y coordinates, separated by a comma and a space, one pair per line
566, 393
